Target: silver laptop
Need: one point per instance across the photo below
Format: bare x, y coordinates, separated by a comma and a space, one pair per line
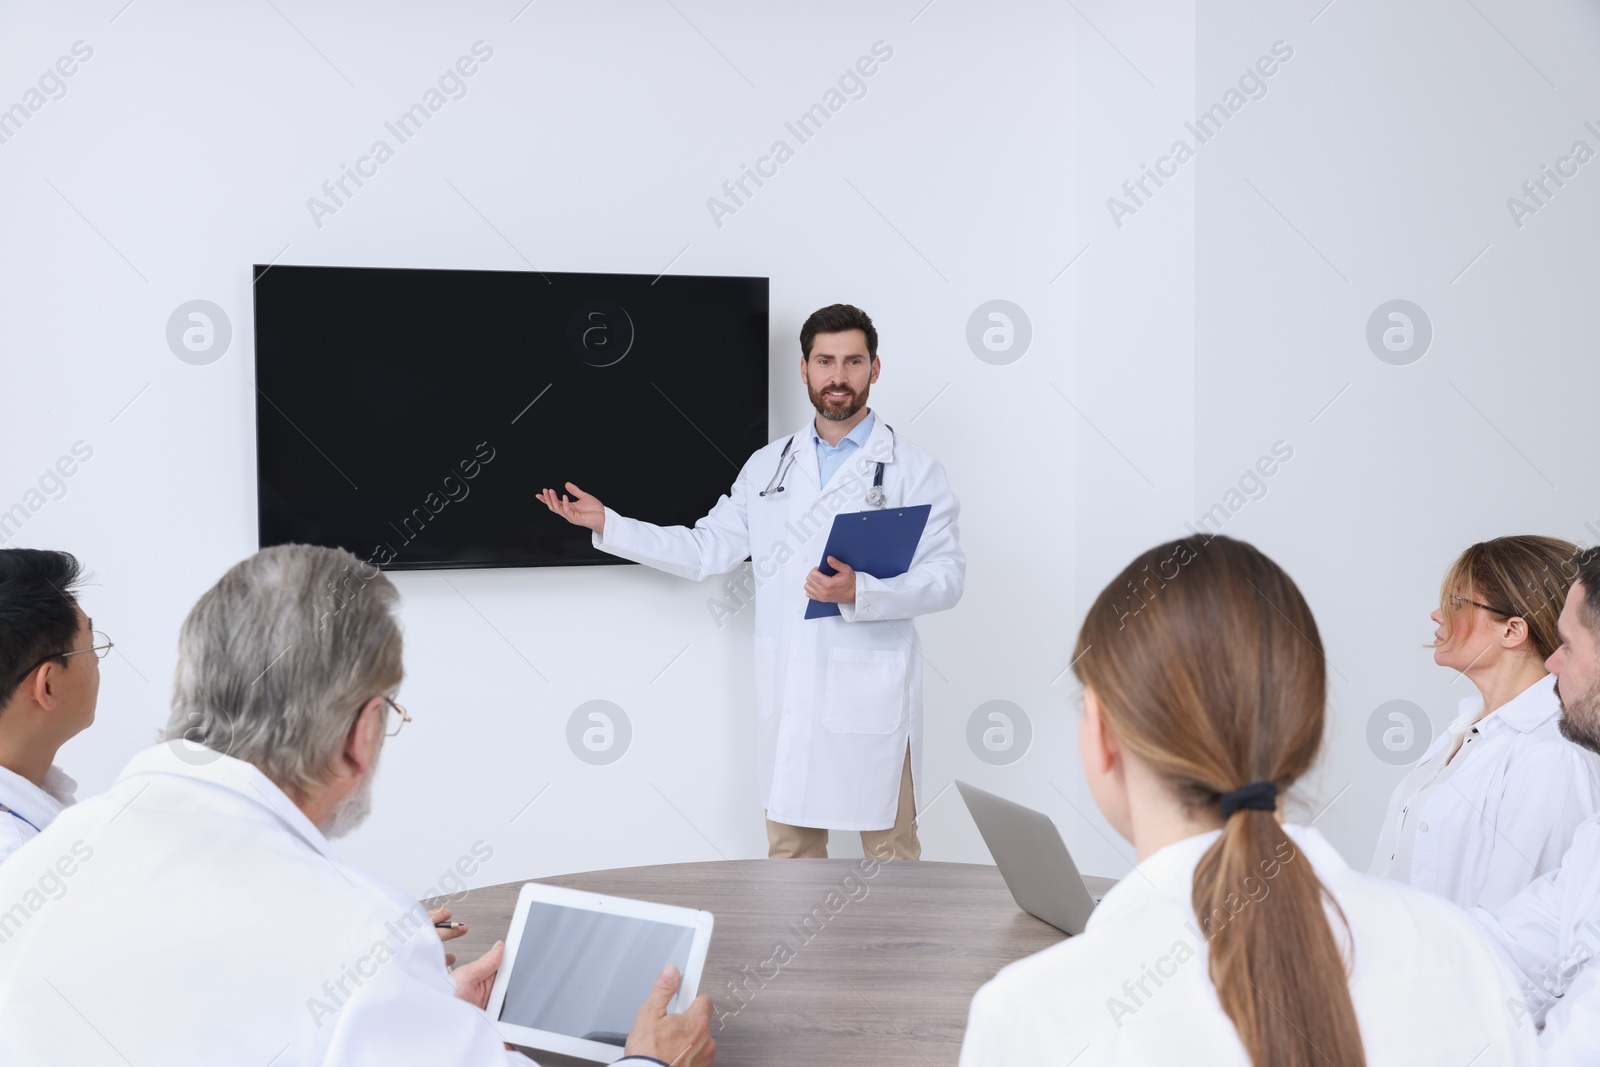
1032, 859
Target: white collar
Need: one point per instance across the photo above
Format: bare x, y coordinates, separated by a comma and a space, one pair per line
38, 804
1168, 873
879, 447
180, 759
880, 441
1525, 712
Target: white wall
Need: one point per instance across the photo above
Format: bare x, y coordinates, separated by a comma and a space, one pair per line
185, 149
1133, 416
1167, 354
1378, 167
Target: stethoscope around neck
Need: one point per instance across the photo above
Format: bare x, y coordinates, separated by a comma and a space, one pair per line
875, 496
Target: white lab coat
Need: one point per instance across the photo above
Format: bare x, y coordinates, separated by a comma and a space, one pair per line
1550, 932
837, 699
1506, 814
1135, 986
194, 915
39, 805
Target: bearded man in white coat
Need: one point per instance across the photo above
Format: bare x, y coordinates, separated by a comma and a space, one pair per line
1550, 931
838, 698
196, 913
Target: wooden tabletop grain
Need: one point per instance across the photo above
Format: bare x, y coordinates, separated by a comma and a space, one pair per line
820, 961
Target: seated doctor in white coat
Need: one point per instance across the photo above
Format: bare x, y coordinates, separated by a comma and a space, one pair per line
839, 699
196, 913
1551, 930
49, 685
1238, 938
1494, 801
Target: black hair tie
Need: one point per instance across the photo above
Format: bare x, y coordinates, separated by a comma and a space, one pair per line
1257, 796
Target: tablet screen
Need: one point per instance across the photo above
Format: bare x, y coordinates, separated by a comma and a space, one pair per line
584, 973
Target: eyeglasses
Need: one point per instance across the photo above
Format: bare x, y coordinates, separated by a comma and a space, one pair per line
102, 645
405, 716
1457, 603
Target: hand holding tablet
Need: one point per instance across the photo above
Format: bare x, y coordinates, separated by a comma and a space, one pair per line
680, 1039
474, 980
598, 977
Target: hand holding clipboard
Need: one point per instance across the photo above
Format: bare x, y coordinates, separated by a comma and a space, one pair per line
879, 543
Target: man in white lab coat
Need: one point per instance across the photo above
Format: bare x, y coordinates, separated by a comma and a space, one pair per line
196, 914
49, 684
838, 699
1550, 932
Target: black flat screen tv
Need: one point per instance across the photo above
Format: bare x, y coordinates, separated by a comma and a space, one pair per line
410, 416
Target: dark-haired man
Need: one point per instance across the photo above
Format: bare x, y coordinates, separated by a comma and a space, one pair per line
1550, 932
838, 699
49, 682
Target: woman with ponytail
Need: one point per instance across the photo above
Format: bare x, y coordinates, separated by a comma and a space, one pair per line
1238, 939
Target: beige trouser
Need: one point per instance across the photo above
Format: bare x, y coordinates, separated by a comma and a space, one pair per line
785, 842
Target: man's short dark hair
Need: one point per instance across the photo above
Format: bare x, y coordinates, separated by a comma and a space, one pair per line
1586, 569
837, 318
38, 614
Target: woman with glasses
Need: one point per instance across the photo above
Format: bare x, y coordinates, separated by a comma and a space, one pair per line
1494, 801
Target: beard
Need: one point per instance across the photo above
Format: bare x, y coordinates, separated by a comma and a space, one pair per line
1580, 718
353, 810
838, 410
350, 812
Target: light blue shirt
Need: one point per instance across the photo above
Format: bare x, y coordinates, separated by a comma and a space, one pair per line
830, 456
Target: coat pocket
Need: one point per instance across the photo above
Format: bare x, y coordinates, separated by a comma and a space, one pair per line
865, 691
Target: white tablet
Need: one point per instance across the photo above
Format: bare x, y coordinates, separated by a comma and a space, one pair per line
578, 966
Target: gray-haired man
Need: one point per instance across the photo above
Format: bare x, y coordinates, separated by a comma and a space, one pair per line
195, 913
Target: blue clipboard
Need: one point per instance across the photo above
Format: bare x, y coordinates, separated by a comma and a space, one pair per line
880, 543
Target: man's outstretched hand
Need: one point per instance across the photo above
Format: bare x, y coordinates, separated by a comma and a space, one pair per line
580, 509
681, 1040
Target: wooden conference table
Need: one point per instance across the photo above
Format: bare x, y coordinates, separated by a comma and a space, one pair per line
882, 972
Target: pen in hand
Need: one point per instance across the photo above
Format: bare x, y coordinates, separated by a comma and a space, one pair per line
447, 928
